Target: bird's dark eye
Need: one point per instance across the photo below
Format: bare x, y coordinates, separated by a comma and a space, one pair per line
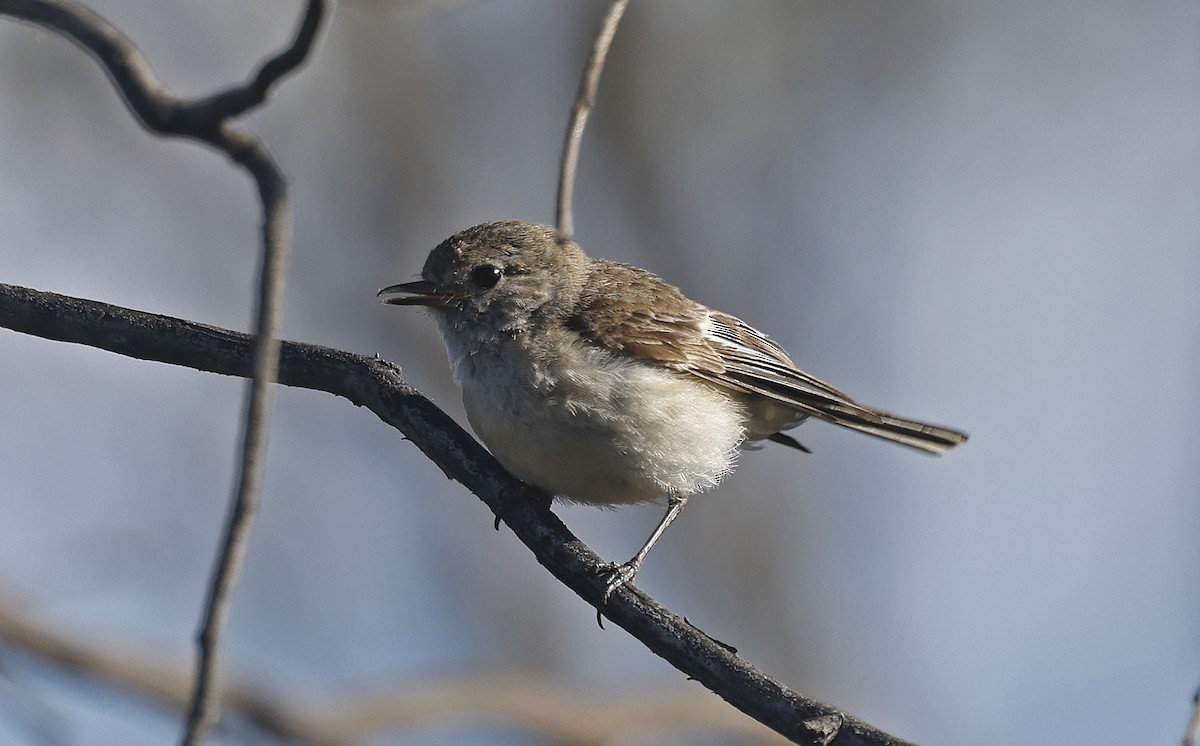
486, 276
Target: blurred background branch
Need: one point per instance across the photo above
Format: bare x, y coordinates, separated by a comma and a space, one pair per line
521, 699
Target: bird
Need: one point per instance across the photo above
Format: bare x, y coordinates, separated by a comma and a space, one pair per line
600, 383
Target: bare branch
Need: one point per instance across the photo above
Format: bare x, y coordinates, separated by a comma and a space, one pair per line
206, 120
235, 539
379, 386
584, 100
240, 99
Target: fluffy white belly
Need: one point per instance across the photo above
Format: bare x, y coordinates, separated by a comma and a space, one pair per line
593, 428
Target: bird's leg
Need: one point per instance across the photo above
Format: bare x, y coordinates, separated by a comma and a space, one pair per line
619, 575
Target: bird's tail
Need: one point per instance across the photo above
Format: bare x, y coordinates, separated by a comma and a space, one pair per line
933, 439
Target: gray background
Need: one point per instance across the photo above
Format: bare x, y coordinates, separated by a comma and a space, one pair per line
982, 214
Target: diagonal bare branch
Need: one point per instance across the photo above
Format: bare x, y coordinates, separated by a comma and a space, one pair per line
378, 385
207, 120
584, 100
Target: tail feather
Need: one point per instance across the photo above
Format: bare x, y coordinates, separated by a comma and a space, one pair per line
831, 405
920, 435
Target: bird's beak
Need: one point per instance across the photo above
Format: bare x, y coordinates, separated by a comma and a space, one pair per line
420, 293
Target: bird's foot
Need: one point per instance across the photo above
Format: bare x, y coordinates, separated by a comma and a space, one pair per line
616, 576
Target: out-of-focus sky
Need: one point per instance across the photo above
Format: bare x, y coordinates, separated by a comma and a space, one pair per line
981, 214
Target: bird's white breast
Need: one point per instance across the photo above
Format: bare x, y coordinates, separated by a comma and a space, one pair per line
586, 424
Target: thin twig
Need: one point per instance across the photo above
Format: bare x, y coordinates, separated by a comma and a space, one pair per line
158, 109
378, 385
585, 98
207, 119
276, 229
205, 708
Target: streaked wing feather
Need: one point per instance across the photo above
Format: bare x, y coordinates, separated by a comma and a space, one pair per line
755, 363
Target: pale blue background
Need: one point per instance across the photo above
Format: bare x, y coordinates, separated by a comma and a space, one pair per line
983, 214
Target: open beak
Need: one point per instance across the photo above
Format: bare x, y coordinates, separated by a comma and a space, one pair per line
420, 293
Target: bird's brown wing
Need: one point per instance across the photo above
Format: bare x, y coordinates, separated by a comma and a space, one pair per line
630, 310
633, 311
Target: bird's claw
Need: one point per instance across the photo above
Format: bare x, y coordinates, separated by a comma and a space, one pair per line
616, 576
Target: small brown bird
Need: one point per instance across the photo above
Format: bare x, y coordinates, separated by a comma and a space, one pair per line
601, 384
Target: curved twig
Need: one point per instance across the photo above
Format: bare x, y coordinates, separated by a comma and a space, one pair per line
159, 110
584, 100
379, 386
207, 120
